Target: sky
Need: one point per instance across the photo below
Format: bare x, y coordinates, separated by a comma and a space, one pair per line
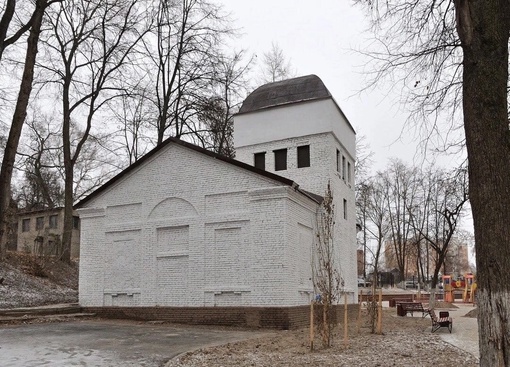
321, 37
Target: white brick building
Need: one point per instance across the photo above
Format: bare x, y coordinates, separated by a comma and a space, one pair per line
185, 227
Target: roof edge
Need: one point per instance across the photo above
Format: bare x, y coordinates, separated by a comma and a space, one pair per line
198, 149
309, 100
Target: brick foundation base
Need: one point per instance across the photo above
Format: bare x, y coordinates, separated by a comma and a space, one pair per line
252, 317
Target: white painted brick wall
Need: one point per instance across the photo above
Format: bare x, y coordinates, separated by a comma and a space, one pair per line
218, 202
323, 168
180, 187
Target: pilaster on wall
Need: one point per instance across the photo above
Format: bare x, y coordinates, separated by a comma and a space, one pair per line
91, 275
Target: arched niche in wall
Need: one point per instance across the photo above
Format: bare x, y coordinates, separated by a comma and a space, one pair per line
173, 208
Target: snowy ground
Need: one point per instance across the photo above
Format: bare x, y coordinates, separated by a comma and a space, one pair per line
55, 282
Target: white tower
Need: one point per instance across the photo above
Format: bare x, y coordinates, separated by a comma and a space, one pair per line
294, 128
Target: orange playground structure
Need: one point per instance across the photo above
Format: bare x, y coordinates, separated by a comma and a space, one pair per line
451, 285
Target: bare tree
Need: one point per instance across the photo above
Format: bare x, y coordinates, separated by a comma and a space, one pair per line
9, 11
90, 43
446, 193
19, 115
372, 204
483, 30
378, 215
275, 66
188, 35
42, 186
132, 112
400, 181
362, 191
217, 113
327, 278
468, 40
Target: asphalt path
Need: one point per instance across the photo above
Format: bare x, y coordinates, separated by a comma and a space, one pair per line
105, 343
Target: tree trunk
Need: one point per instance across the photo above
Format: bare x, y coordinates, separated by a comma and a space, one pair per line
68, 166
483, 28
18, 120
67, 232
9, 9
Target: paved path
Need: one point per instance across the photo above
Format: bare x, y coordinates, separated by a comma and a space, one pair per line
104, 343
465, 330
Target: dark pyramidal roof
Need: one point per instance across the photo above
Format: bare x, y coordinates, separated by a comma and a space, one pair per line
304, 88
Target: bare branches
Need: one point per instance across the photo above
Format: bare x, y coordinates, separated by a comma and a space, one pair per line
435, 219
90, 44
18, 119
184, 50
413, 215
275, 66
326, 275
417, 49
42, 185
228, 87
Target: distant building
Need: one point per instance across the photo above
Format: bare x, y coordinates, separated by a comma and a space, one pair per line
40, 232
456, 261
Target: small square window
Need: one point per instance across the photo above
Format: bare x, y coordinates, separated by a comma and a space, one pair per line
39, 223
25, 225
303, 156
280, 159
260, 160
53, 221
76, 222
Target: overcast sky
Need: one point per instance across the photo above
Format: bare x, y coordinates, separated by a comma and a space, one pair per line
319, 37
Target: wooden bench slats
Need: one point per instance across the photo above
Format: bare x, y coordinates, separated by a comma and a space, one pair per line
410, 307
440, 322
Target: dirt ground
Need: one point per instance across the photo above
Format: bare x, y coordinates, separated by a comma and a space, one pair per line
406, 341
26, 281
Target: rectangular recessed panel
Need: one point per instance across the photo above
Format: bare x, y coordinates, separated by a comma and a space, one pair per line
124, 213
227, 256
122, 261
172, 281
173, 239
304, 255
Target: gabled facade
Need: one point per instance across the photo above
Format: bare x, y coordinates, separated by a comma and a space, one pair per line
188, 228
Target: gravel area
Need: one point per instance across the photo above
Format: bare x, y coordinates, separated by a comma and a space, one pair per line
406, 341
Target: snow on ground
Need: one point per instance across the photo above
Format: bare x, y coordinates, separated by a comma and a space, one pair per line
56, 283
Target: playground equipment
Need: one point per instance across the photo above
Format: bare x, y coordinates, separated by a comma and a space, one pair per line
448, 288
469, 288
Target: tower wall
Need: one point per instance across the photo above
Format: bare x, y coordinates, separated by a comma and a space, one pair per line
331, 140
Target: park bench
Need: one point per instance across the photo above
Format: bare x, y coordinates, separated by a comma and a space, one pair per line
393, 301
411, 307
444, 320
